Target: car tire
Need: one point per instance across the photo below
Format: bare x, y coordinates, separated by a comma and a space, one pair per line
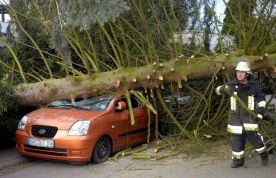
102, 150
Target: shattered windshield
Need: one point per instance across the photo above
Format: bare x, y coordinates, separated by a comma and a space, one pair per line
96, 103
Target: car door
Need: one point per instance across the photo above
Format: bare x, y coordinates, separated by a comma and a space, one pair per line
128, 134
122, 117
137, 133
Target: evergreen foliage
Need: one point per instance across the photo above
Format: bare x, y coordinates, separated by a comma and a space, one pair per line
250, 24
64, 38
82, 14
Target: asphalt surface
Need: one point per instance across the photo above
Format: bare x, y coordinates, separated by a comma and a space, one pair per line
9, 157
179, 166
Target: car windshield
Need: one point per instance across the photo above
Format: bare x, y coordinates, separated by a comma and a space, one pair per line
96, 103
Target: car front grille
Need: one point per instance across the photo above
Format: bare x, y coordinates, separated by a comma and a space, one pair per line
44, 131
45, 151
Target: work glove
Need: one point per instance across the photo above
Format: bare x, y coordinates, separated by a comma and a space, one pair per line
218, 90
260, 112
267, 116
259, 116
270, 116
223, 89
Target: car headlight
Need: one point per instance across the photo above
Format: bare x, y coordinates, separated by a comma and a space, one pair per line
22, 123
79, 128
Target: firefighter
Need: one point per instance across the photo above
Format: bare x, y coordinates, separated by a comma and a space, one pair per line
243, 121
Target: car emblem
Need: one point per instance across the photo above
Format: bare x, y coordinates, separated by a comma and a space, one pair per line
41, 131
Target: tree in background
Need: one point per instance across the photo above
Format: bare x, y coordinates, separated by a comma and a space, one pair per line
208, 24
249, 24
59, 39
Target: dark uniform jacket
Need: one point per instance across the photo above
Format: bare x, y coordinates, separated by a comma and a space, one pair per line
253, 99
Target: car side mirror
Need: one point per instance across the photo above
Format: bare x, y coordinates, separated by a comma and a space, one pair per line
121, 105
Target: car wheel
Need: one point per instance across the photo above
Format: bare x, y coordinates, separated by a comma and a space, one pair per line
101, 150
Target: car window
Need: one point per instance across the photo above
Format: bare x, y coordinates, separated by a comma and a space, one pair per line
121, 99
101, 105
95, 103
134, 102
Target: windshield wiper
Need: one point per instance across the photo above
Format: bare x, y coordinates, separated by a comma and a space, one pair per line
66, 106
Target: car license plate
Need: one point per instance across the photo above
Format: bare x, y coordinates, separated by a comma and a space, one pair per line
41, 142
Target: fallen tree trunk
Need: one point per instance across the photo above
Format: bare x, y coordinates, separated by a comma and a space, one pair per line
149, 76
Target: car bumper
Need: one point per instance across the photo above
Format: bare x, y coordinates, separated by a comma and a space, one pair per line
66, 148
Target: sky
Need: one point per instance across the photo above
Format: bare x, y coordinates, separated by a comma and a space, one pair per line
220, 7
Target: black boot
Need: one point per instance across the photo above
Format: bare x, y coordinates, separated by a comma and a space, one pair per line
264, 158
237, 163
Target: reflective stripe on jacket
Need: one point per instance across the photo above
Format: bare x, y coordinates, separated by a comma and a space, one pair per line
253, 98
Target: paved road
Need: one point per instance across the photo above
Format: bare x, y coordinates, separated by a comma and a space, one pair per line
9, 157
177, 167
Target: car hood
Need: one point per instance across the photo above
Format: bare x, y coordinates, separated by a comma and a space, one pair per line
61, 118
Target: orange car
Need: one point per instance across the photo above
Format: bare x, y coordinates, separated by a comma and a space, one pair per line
87, 130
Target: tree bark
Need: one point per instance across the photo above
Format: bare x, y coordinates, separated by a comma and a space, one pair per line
149, 76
